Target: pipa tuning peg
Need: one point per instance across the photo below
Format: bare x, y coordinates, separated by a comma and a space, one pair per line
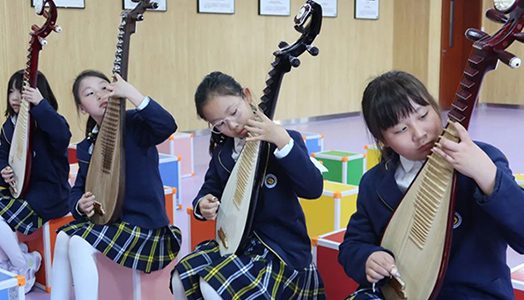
42, 41
312, 50
57, 28
496, 16
282, 44
295, 62
519, 37
474, 34
508, 58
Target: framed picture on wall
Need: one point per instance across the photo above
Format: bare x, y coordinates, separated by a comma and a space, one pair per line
162, 5
216, 6
329, 8
274, 7
366, 9
65, 3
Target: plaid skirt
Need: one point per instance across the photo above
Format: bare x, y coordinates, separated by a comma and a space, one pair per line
131, 246
19, 214
257, 274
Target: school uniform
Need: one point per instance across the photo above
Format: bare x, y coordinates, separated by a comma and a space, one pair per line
483, 228
141, 238
278, 262
48, 194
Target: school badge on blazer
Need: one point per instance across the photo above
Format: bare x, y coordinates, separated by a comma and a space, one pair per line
270, 181
457, 220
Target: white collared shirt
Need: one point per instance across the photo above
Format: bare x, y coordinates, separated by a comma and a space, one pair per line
406, 172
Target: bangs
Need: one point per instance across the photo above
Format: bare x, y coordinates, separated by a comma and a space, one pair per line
17, 80
386, 101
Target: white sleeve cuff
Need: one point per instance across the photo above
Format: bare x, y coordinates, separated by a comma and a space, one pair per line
194, 209
285, 150
144, 103
78, 211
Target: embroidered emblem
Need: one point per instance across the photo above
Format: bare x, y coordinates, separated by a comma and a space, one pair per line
457, 220
270, 181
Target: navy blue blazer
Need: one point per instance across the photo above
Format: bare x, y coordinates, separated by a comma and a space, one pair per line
49, 186
144, 204
279, 220
484, 227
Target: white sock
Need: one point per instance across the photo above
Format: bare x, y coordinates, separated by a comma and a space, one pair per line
83, 266
208, 292
178, 289
9, 246
61, 276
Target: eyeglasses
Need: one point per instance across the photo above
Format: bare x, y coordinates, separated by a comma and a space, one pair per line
220, 125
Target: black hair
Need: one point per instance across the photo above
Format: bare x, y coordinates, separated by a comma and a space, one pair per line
91, 123
17, 81
386, 100
216, 83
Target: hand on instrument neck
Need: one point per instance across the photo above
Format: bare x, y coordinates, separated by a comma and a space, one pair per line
122, 89
468, 159
264, 129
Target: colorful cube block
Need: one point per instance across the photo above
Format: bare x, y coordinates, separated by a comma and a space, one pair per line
11, 286
520, 179
169, 167
336, 283
171, 205
116, 282
314, 142
180, 144
517, 280
71, 152
344, 167
372, 156
199, 231
332, 210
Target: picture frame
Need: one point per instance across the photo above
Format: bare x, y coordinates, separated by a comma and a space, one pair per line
274, 7
329, 8
65, 3
162, 5
367, 9
216, 6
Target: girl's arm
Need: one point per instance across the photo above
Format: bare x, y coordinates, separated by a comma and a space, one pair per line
360, 240
497, 191
213, 185
4, 152
48, 120
307, 179
152, 123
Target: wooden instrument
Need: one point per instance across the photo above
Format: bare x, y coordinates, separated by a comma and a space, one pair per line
106, 173
419, 232
238, 203
20, 152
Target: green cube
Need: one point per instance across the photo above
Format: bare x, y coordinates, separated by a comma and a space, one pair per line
344, 167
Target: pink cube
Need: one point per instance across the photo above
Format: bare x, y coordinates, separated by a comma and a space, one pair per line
180, 144
116, 282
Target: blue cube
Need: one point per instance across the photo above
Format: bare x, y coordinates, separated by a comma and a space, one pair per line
169, 167
314, 142
11, 286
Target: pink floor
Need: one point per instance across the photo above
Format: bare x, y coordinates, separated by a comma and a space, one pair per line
500, 126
